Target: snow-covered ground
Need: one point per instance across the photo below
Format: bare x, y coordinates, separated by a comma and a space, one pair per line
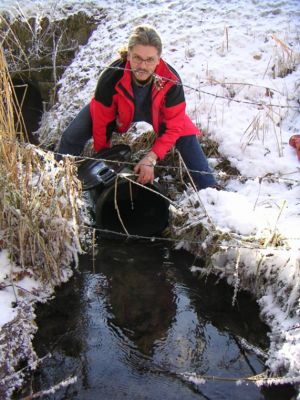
233, 58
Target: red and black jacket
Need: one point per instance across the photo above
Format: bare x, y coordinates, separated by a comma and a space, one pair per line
112, 108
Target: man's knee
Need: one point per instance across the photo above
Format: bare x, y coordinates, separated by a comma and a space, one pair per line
77, 134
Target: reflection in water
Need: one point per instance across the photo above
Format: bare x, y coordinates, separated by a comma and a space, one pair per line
141, 299
135, 318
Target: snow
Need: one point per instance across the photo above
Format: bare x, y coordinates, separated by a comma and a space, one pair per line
7, 295
229, 55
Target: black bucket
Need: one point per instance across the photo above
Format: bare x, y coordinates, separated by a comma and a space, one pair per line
101, 170
121, 206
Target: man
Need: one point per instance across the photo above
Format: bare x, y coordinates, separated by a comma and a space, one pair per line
141, 86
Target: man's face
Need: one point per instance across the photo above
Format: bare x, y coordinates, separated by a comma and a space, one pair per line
143, 61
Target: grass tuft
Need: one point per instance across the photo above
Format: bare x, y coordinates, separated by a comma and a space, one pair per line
40, 204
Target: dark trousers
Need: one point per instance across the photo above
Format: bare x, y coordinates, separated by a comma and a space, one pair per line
79, 132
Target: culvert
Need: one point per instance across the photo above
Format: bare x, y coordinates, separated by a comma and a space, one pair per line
139, 210
120, 205
31, 105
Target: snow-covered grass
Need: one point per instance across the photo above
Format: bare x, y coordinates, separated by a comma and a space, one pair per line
239, 63
40, 235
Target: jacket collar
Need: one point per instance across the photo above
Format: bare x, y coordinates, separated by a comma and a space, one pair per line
163, 76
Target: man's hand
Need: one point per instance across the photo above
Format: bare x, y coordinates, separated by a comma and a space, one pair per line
145, 168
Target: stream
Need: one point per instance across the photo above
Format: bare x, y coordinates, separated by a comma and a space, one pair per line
134, 320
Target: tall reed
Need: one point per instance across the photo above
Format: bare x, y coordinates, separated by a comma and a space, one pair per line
40, 200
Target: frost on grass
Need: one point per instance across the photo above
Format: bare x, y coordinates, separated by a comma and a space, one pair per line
15, 346
41, 235
42, 232
248, 250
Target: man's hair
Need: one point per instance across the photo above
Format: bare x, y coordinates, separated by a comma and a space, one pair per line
145, 35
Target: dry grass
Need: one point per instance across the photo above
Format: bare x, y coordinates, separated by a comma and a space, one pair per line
283, 60
140, 144
265, 122
40, 215
40, 204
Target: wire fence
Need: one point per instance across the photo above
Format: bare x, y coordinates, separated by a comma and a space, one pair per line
222, 175
273, 177
184, 85
221, 245
219, 174
166, 168
270, 177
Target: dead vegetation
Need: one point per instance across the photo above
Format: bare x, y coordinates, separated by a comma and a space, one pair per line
284, 60
41, 212
40, 207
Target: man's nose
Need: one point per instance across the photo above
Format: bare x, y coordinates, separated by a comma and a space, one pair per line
142, 62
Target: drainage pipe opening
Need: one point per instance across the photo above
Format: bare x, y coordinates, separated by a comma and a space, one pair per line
141, 211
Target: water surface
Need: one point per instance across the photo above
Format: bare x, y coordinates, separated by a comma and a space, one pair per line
133, 319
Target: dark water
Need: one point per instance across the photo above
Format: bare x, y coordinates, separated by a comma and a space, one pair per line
134, 318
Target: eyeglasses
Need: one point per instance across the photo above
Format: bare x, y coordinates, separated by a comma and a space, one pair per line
148, 61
